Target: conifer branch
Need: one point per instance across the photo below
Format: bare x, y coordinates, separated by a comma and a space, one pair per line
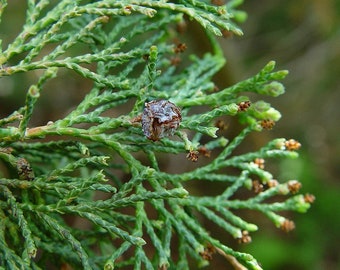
58, 170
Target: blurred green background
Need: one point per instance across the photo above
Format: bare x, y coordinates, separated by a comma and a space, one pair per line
303, 37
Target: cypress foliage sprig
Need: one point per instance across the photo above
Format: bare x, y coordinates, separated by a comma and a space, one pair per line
97, 166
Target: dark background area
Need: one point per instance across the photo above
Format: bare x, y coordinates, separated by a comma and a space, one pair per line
301, 36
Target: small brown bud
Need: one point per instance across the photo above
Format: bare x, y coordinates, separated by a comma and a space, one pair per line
243, 106
272, 183
245, 239
259, 162
208, 252
287, 225
192, 155
267, 124
204, 151
292, 145
294, 186
257, 186
309, 198
180, 48
136, 120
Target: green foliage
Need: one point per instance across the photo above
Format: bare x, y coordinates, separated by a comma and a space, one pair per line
56, 171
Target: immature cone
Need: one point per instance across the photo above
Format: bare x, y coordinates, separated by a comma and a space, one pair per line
267, 124
292, 145
208, 252
245, 239
160, 118
287, 225
193, 155
243, 106
309, 198
294, 186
